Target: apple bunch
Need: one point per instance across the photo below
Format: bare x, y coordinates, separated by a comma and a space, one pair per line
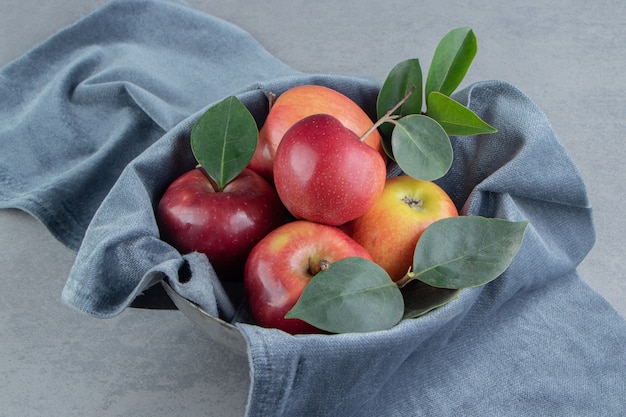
303, 208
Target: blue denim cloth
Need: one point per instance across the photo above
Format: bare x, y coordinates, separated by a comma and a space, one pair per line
103, 120
76, 109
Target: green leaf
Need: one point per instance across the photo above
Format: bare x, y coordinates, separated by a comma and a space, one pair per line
421, 147
466, 251
420, 298
453, 57
402, 78
352, 295
224, 139
455, 118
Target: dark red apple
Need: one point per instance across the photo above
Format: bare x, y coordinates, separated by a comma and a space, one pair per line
282, 264
323, 172
225, 225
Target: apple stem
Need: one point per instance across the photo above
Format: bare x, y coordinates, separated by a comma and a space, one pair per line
408, 277
315, 267
389, 116
271, 99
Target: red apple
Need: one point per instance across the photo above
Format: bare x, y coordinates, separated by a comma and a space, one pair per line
299, 102
324, 173
282, 264
390, 229
224, 225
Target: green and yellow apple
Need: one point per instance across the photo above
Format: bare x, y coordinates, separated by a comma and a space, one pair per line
390, 229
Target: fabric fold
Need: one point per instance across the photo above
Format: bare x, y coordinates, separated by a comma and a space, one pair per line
101, 126
79, 107
507, 175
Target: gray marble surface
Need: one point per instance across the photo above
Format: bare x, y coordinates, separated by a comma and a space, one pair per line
568, 56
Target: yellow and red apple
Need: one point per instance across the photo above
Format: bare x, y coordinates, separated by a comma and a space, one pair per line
390, 229
299, 102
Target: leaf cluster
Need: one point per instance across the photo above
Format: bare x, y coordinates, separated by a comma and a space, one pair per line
416, 134
455, 253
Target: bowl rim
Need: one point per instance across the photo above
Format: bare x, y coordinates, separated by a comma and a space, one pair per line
218, 330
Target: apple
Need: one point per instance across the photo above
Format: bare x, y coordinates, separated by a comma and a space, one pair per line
282, 264
324, 173
299, 102
225, 225
390, 229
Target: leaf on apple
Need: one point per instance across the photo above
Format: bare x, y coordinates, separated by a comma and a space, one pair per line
455, 118
466, 251
421, 147
224, 139
421, 298
453, 57
352, 295
402, 78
